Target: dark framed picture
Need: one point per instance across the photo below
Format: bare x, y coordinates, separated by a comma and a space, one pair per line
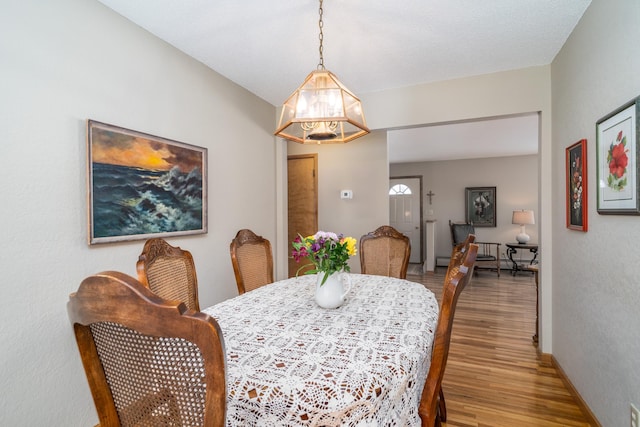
142, 186
617, 161
480, 206
576, 160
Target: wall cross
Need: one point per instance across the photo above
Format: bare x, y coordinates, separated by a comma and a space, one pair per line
430, 194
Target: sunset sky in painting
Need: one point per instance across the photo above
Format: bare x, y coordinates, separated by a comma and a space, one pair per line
135, 151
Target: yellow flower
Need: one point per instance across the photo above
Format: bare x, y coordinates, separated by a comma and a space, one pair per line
351, 245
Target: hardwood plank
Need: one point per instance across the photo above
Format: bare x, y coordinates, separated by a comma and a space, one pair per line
495, 376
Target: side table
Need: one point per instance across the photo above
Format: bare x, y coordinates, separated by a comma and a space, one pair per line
513, 248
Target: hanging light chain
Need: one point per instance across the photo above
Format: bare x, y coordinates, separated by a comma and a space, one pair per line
321, 37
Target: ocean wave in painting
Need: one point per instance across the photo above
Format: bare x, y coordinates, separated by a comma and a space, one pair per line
130, 201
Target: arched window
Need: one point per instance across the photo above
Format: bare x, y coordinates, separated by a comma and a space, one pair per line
399, 190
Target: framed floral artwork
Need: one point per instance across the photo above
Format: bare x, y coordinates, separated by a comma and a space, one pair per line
617, 161
576, 160
142, 186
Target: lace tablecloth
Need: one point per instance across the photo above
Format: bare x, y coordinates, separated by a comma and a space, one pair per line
292, 363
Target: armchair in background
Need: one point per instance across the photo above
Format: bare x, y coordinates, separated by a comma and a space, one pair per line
488, 256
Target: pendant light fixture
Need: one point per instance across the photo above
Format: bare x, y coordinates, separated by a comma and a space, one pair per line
322, 110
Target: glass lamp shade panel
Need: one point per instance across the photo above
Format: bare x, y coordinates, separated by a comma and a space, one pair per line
322, 110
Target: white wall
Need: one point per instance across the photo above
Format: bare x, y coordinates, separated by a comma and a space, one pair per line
63, 62
69, 60
596, 294
516, 182
360, 166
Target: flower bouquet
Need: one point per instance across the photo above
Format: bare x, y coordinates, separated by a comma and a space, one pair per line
576, 187
328, 252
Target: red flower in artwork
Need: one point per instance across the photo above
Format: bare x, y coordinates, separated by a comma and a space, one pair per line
619, 160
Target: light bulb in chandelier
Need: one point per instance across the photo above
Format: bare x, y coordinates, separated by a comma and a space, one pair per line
320, 131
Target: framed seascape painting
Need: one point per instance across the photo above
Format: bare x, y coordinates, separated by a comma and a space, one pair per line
576, 163
617, 161
480, 206
143, 186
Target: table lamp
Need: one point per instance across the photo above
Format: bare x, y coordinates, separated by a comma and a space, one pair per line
522, 217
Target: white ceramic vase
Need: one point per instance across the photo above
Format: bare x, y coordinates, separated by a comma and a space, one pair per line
331, 294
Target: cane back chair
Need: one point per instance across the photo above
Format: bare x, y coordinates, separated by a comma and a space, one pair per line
148, 361
169, 272
385, 252
252, 260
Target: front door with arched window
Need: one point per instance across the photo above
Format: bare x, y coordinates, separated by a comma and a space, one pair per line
405, 211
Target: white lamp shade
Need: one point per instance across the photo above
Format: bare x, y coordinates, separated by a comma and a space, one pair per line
522, 217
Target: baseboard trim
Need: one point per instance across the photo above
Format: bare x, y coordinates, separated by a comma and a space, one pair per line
549, 360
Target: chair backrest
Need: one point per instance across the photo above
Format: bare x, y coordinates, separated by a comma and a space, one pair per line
460, 231
454, 283
457, 254
169, 272
148, 361
252, 260
385, 252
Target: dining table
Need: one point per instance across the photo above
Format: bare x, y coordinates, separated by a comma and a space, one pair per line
292, 363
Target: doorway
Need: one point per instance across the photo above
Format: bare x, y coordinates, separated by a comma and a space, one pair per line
302, 183
405, 211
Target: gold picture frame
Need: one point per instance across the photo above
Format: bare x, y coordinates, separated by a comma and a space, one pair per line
142, 186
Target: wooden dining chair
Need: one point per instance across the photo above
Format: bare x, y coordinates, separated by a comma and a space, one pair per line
148, 361
455, 260
454, 283
457, 254
252, 260
169, 272
385, 252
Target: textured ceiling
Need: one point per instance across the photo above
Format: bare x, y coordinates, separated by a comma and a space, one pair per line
269, 47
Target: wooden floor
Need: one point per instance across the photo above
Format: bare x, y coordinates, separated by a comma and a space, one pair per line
494, 376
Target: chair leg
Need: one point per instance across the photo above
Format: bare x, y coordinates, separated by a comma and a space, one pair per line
442, 407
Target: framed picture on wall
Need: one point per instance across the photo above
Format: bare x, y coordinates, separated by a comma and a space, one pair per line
142, 186
576, 164
617, 161
480, 206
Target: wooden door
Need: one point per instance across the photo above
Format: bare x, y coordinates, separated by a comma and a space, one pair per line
405, 212
302, 183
